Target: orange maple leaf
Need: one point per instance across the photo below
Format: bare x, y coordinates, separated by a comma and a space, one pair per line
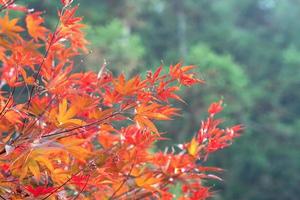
154, 111
10, 27
148, 181
180, 73
33, 23
127, 87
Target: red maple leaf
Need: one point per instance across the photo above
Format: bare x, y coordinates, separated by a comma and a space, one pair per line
40, 190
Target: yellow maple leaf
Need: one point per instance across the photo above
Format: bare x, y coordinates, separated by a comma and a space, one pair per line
64, 117
32, 161
193, 147
74, 147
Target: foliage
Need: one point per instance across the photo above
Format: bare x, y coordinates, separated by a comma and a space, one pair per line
116, 45
260, 37
86, 134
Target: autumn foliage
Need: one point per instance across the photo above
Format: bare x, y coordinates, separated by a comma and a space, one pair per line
89, 135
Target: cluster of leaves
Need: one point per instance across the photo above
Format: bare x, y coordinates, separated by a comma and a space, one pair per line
90, 135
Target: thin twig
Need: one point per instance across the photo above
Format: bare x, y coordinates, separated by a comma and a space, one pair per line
67, 181
83, 126
88, 125
42, 63
2, 197
6, 5
3, 111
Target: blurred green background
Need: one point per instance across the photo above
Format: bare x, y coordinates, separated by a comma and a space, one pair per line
248, 51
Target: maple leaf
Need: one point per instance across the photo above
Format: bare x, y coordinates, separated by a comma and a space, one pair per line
152, 78
111, 97
59, 175
74, 146
211, 136
142, 138
32, 160
70, 29
64, 117
195, 191
164, 93
148, 181
33, 23
79, 180
100, 114
106, 138
179, 72
193, 147
215, 108
129, 87
10, 27
39, 190
57, 79
142, 117
38, 105
145, 112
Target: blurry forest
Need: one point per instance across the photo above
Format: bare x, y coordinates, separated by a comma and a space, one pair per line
248, 51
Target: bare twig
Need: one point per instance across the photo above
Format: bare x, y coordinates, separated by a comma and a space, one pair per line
7, 4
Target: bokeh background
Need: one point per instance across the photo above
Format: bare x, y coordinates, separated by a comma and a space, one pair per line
248, 51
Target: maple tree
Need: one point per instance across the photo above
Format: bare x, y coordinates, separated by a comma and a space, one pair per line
91, 135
